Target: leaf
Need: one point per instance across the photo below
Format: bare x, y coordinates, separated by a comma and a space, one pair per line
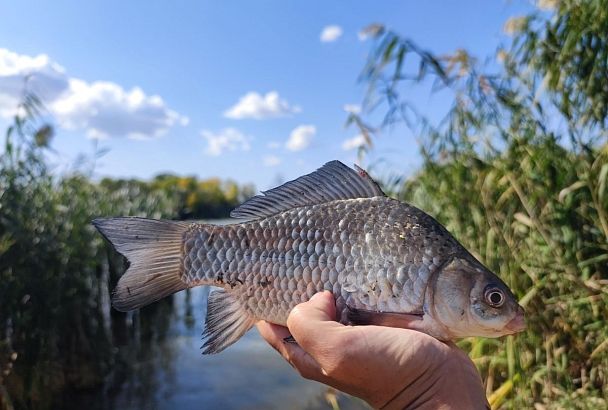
568, 190
524, 219
600, 348
43, 136
499, 395
602, 182
400, 59
5, 243
592, 261
387, 54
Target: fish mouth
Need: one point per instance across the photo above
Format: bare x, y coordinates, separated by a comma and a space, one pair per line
518, 323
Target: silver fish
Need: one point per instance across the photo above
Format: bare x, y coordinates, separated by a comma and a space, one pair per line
386, 262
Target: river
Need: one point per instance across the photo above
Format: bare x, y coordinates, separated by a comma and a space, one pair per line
162, 368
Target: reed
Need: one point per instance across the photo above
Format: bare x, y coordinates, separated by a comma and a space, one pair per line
57, 332
517, 171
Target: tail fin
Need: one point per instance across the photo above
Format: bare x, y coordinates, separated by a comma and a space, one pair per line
154, 250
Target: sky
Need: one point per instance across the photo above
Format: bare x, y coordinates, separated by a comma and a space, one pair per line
254, 91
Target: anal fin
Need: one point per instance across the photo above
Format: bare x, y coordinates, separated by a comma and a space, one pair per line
227, 320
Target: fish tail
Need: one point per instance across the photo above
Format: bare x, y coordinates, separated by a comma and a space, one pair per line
154, 251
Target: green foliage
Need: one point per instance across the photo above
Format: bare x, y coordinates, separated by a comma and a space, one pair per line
517, 171
529, 214
570, 54
56, 330
210, 198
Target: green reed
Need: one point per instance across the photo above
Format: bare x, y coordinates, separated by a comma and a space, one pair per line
517, 171
530, 215
57, 333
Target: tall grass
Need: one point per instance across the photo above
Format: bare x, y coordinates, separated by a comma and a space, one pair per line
534, 216
54, 272
57, 332
517, 170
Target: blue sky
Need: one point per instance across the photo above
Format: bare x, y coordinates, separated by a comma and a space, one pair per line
159, 83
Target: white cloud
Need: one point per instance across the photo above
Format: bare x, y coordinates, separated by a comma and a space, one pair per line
271, 160
330, 33
352, 108
273, 144
228, 139
301, 137
101, 109
353, 143
257, 106
105, 109
43, 77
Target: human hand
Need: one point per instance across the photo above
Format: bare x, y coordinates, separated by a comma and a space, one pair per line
387, 367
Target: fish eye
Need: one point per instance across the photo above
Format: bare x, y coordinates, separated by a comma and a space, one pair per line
494, 296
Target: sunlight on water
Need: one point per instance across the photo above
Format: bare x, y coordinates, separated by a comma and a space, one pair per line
171, 372
249, 374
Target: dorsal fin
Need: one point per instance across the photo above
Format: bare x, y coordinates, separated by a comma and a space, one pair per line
333, 181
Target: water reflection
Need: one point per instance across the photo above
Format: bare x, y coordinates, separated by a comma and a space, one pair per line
158, 365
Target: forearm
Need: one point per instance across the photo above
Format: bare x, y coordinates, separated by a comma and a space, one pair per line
457, 385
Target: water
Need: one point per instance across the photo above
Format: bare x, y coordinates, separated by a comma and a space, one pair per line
159, 365
163, 368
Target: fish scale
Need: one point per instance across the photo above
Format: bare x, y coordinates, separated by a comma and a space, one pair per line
347, 242
386, 262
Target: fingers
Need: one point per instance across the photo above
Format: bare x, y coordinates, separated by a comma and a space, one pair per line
321, 307
384, 366
314, 321
294, 354
312, 324
273, 334
328, 342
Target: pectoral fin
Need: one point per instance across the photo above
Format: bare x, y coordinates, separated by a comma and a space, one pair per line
391, 319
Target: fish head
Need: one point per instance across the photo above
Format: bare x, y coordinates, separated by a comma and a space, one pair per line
469, 300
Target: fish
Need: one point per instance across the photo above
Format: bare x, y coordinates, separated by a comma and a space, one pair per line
386, 262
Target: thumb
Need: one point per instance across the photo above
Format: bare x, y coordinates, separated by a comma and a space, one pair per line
309, 319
